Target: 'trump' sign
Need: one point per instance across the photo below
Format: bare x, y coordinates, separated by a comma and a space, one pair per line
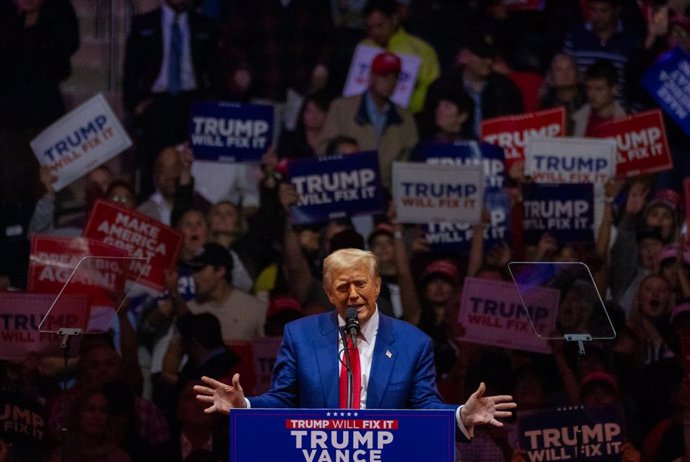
570, 160
325, 435
447, 236
565, 211
335, 187
591, 434
358, 76
512, 132
668, 82
21, 315
424, 192
492, 314
80, 141
641, 141
230, 132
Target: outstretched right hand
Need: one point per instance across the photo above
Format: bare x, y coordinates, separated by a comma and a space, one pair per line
220, 396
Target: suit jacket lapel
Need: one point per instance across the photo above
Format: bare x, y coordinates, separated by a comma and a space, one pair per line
326, 350
382, 364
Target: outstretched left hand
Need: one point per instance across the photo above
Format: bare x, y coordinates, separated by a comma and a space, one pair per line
483, 410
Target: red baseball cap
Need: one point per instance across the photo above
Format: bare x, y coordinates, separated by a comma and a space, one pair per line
386, 63
445, 268
600, 377
667, 197
282, 303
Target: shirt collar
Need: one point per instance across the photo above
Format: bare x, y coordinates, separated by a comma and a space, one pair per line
169, 15
367, 330
157, 197
371, 105
362, 116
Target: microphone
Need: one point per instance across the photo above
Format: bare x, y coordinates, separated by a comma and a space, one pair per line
351, 322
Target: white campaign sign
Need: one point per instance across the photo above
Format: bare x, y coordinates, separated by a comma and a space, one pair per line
426, 193
358, 76
570, 160
80, 141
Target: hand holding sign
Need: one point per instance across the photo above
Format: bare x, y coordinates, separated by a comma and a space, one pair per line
48, 179
288, 196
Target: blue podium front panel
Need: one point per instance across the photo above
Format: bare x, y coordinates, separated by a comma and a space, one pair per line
341, 435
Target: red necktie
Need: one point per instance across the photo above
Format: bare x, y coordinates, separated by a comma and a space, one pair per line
356, 376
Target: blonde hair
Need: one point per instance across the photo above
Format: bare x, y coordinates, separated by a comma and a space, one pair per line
348, 258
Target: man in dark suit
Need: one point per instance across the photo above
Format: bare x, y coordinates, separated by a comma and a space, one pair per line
171, 60
395, 359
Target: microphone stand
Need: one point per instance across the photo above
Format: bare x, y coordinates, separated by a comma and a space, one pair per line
68, 334
348, 367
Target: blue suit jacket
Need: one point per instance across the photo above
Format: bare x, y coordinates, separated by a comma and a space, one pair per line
306, 370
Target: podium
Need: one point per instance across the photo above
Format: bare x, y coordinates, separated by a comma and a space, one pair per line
341, 435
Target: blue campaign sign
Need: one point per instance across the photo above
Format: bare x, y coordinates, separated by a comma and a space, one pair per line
668, 82
336, 187
564, 210
460, 153
230, 132
449, 237
330, 435
591, 434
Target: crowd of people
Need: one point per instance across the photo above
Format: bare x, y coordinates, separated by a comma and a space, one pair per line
245, 271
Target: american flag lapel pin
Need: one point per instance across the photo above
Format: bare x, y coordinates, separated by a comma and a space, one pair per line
389, 354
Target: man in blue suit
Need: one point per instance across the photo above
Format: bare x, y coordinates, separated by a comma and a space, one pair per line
395, 358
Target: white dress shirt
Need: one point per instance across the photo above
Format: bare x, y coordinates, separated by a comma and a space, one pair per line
366, 343
187, 78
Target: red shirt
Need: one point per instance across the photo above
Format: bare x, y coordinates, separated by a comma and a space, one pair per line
594, 122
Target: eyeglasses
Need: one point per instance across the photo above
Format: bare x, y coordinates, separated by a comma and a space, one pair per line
120, 199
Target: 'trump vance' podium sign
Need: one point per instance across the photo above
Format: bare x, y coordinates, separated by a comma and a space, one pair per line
347, 435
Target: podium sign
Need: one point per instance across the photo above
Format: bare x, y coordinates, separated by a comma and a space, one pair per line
312, 435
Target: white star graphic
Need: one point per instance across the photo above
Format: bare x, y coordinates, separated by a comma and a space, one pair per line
349, 414
328, 414
342, 414
355, 414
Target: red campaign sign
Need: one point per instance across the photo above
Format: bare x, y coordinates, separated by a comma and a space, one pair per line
642, 143
257, 360
246, 368
140, 236
512, 132
53, 259
20, 316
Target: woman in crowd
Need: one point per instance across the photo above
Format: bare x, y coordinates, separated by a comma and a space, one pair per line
89, 432
225, 227
446, 120
302, 142
643, 229
649, 319
562, 88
